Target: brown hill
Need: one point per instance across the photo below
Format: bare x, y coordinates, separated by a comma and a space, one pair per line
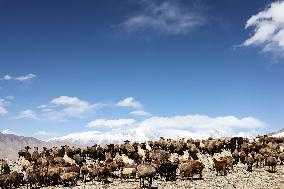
10, 144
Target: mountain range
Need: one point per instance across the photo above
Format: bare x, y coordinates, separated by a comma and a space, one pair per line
10, 144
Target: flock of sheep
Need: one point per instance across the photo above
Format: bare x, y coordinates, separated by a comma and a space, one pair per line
164, 159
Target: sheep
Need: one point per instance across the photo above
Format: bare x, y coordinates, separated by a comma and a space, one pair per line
128, 172
15, 179
243, 157
220, 166
73, 168
5, 168
281, 158
258, 160
230, 162
84, 172
4, 181
141, 153
119, 161
43, 176
93, 171
68, 160
24, 163
184, 158
145, 171
249, 162
127, 160
168, 170
59, 161
104, 171
35, 154
163, 143
32, 176
271, 162
79, 160
28, 156
70, 177
188, 169
174, 158
236, 155
53, 174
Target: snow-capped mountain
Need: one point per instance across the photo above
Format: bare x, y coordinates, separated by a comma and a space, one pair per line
139, 134
113, 136
279, 133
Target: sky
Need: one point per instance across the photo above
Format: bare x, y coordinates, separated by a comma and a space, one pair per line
175, 66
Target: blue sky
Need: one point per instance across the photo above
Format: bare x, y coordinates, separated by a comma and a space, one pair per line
67, 64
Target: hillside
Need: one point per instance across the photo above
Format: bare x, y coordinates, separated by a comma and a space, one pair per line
10, 145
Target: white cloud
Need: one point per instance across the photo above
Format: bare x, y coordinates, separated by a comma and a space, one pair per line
27, 77
101, 123
130, 102
44, 133
27, 114
3, 110
188, 126
201, 122
64, 107
268, 27
169, 17
140, 113
3, 104
10, 97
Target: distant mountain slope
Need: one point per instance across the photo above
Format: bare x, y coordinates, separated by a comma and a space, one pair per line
279, 133
10, 144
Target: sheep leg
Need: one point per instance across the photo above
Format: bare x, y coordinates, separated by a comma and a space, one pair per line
150, 182
140, 182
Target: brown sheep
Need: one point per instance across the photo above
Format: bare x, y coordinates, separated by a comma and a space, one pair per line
145, 171
249, 162
271, 162
25, 164
84, 172
163, 143
243, 156
69, 178
73, 168
128, 172
43, 176
258, 160
5, 168
230, 162
59, 161
104, 172
281, 158
15, 179
42, 162
28, 155
4, 181
236, 156
220, 166
93, 171
53, 174
32, 176
35, 154
188, 169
